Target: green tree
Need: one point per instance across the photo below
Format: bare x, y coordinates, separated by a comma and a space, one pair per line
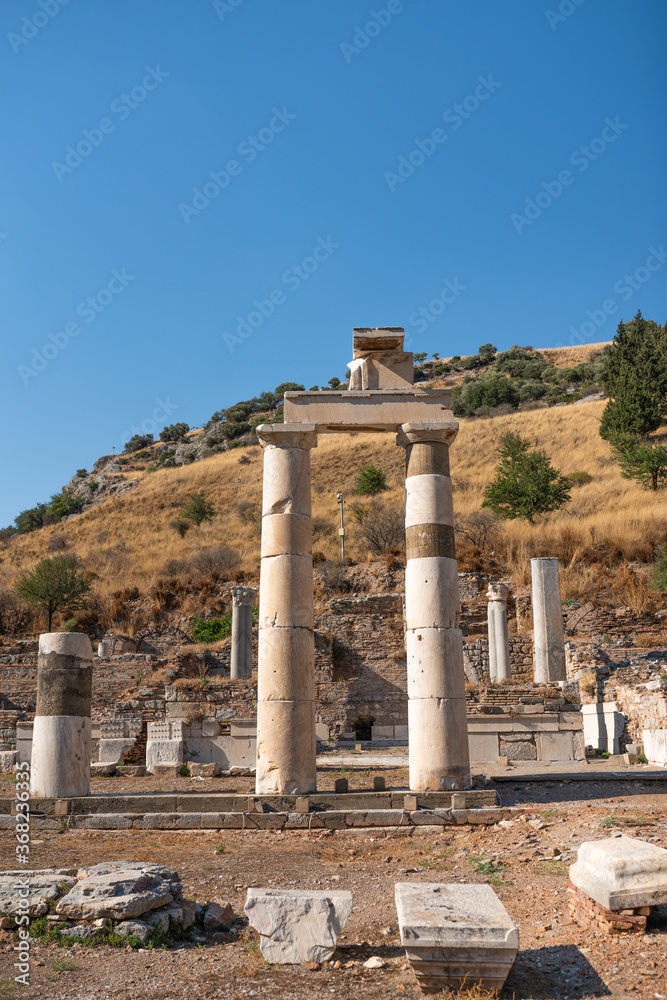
419, 356
487, 353
334, 382
370, 481
525, 484
31, 519
634, 376
63, 504
287, 387
174, 432
197, 509
54, 584
642, 460
139, 441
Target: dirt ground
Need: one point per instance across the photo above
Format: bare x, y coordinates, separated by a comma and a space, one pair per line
525, 861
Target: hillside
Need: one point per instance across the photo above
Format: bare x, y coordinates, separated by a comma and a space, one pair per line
130, 550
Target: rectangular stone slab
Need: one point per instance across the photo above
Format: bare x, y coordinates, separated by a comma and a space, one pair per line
455, 934
369, 410
621, 872
297, 925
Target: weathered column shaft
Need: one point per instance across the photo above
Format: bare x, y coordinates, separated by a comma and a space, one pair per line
437, 721
499, 641
491, 633
243, 599
61, 735
286, 678
548, 621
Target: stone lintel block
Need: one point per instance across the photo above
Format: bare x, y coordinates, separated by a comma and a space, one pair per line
366, 339
365, 410
454, 933
621, 872
297, 926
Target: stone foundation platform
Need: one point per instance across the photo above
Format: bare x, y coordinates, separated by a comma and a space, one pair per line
592, 915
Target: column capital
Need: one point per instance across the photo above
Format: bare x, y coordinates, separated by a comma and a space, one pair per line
243, 596
497, 592
433, 432
287, 435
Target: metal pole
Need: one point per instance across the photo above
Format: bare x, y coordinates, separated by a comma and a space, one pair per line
341, 532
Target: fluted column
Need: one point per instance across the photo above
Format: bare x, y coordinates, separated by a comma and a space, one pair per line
61, 734
437, 721
286, 678
499, 640
243, 599
548, 621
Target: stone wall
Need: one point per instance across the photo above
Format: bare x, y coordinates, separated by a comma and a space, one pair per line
476, 658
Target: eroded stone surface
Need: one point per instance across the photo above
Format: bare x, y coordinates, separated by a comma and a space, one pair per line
297, 926
42, 889
453, 933
117, 892
621, 872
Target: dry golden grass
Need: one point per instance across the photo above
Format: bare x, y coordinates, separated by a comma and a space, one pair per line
126, 542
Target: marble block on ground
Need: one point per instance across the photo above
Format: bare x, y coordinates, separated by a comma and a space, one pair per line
455, 935
163, 752
621, 872
297, 925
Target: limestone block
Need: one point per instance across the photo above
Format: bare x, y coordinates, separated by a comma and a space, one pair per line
7, 760
211, 770
297, 926
367, 339
603, 726
379, 409
114, 729
225, 751
435, 663
400, 732
117, 893
210, 727
168, 729
113, 751
521, 749
655, 746
382, 733
431, 593
456, 933
428, 500
81, 931
163, 752
621, 872
134, 928
98, 770
60, 756
556, 746
483, 747
42, 889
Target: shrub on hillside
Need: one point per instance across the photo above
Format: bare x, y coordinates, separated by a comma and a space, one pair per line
579, 478
139, 441
660, 570
174, 432
383, 528
333, 577
642, 460
31, 519
370, 481
216, 563
197, 509
212, 629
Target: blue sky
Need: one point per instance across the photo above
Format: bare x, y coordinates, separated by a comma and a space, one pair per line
338, 185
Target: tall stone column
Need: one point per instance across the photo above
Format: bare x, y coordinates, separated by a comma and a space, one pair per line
286, 680
548, 621
243, 599
499, 640
61, 735
438, 731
